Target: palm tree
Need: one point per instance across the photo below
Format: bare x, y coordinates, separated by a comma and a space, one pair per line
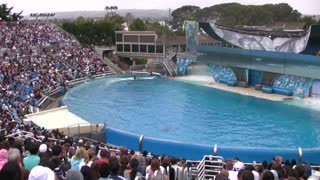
111, 8
7, 15
107, 8
115, 9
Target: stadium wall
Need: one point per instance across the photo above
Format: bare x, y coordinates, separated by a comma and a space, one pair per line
196, 152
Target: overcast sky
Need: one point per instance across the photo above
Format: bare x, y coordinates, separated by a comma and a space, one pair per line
38, 6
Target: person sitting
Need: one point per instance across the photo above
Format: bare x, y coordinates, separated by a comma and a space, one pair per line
229, 167
132, 173
10, 171
3, 157
154, 172
32, 160
104, 170
267, 175
88, 160
14, 156
115, 167
77, 158
103, 156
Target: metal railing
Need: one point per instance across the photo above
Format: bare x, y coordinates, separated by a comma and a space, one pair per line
50, 96
138, 67
83, 128
209, 167
191, 172
168, 63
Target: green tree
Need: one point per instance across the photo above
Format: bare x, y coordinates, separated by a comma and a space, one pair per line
100, 32
129, 18
158, 28
235, 14
137, 25
184, 13
6, 14
309, 20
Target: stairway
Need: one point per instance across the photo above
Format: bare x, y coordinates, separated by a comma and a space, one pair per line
168, 63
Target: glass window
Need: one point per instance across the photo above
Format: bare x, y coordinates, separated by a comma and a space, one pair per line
127, 48
120, 47
147, 38
143, 48
131, 38
135, 48
119, 37
159, 49
151, 49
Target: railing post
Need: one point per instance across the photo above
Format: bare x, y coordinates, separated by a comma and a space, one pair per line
300, 155
140, 142
68, 130
215, 149
78, 129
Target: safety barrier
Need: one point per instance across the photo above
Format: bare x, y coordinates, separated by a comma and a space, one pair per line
196, 152
209, 167
56, 91
82, 128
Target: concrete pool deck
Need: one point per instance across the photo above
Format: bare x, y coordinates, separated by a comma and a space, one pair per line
64, 120
209, 82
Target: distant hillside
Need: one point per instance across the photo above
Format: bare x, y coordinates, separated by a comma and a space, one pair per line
153, 14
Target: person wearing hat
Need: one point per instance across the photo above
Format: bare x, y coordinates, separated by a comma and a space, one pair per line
3, 157
41, 173
43, 148
74, 174
103, 156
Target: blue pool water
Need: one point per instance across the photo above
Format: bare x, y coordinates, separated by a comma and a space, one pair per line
169, 109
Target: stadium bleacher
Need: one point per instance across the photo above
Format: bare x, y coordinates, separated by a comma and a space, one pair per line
36, 58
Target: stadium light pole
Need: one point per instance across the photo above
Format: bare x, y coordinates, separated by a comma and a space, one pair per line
47, 15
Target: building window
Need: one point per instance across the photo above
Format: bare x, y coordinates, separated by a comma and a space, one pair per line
119, 38
120, 47
131, 38
127, 48
159, 49
135, 48
151, 49
143, 48
147, 38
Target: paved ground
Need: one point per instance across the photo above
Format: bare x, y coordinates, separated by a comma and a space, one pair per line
208, 81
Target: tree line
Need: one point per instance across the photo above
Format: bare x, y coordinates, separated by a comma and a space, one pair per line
238, 15
101, 31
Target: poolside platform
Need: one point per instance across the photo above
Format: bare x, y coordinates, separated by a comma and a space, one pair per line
61, 118
250, 91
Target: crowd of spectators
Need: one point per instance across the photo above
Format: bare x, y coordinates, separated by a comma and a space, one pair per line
72, 159
76, 160
275, 170
36, 58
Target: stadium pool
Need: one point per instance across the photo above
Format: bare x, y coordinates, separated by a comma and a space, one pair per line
192, 114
